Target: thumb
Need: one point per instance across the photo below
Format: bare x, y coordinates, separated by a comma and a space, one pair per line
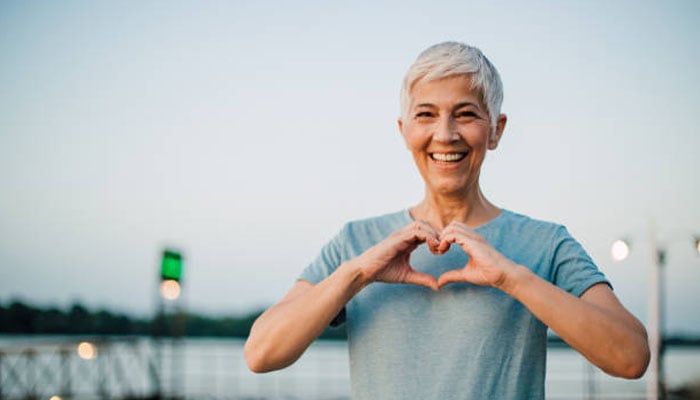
422, 279
450, 277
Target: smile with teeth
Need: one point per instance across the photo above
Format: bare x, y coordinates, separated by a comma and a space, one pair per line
448, 157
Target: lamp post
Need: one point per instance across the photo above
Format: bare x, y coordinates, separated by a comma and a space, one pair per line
655, 388
170, 324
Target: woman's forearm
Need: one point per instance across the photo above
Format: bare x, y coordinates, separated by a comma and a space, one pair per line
596, 324
283, 332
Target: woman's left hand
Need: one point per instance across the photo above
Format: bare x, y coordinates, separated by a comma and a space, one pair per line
486, 266
596, 324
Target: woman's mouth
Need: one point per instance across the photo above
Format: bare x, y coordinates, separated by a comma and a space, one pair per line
448, 157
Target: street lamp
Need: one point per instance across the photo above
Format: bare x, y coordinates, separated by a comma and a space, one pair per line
620, 250
170, 323
170, 289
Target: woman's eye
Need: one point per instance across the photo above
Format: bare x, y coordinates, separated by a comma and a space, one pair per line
424, 114
466, 114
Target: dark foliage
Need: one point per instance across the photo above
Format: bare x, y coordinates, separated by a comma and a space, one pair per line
20, 318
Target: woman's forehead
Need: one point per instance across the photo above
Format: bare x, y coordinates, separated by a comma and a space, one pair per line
448, 90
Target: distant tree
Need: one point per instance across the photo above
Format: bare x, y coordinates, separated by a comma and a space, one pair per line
21, 318
53, 321
79, 320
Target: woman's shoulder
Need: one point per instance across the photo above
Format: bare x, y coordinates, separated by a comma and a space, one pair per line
522, 223
382, 224
360, 234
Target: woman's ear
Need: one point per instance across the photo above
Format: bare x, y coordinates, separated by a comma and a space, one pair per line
498, 132
399, 122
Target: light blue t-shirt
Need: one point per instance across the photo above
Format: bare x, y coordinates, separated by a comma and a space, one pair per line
464, 341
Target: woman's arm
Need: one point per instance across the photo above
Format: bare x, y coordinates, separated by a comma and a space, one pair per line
283, 332
596, 324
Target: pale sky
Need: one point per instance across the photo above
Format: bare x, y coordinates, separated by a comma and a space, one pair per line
246, 133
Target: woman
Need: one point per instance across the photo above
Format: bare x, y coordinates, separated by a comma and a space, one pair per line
452, 297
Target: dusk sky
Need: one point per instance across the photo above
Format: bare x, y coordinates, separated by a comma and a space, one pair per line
246, 133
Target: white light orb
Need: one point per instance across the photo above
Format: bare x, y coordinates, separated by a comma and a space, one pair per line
620, 250
170, 289
87, 351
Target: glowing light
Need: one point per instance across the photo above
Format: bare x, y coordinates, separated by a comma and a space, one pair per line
54, 397
620, 250
170, 289
86, 351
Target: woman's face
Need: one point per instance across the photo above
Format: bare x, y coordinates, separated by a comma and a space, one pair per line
448, 131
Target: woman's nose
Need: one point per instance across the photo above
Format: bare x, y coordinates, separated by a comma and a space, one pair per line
445, 131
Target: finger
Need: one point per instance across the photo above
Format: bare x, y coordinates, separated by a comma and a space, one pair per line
450, 277
444, 244
434, 246
422, 279
455, 237
448, 236
425, 226
420, 233
435, 249
465, 239
460, 228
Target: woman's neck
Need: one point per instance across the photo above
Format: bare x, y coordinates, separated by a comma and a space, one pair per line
472, 209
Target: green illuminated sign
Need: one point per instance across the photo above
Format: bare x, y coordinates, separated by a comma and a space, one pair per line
171, 266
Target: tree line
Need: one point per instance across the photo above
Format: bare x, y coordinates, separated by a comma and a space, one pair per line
17, 318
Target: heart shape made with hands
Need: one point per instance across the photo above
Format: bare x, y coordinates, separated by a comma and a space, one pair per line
485, 266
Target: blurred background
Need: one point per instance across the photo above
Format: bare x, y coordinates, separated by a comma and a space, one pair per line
244, 134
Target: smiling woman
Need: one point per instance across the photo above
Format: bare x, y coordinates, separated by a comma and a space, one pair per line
448, 132
452, 297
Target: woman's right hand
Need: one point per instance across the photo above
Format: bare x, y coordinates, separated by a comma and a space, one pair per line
282, 333
388, 260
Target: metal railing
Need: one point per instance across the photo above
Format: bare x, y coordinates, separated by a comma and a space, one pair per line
116, 368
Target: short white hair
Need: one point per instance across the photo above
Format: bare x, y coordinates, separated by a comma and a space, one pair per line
453, 58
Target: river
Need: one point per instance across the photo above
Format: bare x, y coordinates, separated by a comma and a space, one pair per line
215, 369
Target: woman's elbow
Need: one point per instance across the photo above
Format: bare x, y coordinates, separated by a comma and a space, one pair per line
261, 357
634, 362
638, 366
256, 365
256, 357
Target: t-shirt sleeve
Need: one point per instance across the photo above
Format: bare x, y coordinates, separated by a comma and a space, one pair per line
325, 263
573, 269
327, 260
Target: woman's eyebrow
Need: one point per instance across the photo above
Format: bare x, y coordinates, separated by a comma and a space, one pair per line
466, 104
457, 106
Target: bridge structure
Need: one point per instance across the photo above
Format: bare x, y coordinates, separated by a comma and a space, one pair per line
100, 368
